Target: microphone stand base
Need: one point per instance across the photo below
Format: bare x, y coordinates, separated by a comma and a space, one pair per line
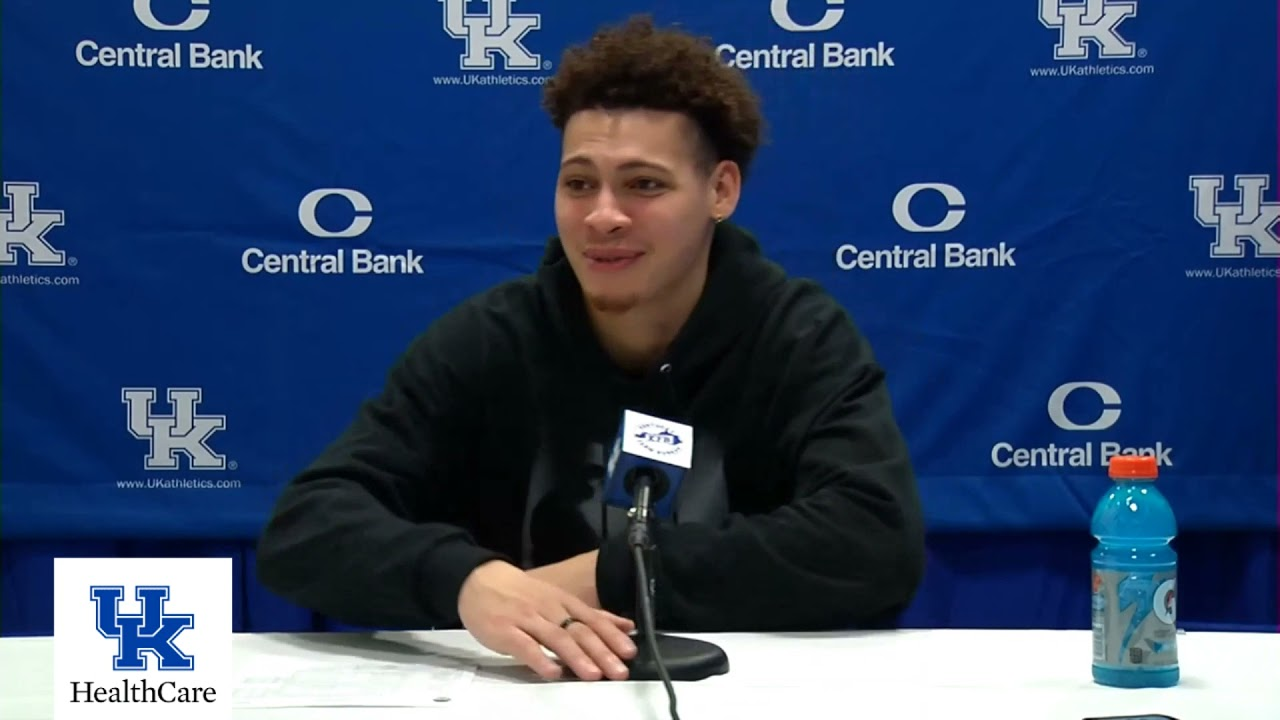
686, 659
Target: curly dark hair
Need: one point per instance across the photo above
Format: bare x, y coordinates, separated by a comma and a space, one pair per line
635, 65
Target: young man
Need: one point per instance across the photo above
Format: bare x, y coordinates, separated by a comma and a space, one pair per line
467, 492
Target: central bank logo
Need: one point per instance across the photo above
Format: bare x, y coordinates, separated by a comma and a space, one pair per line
950, 193
361, 207
24, 228
332, 213
168, 16
928, 208
145, 636
807, 17
1085, 25
182, 432
488, 36
1080, 406
197, 14
1107, 416
831, 16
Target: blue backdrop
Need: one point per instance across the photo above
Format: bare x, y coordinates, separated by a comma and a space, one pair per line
1056, 221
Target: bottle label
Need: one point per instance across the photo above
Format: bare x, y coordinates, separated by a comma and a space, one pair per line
1135, 620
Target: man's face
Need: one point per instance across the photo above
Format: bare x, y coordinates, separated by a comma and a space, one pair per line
634, 205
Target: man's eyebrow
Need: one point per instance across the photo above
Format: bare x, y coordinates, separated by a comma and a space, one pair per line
629, 165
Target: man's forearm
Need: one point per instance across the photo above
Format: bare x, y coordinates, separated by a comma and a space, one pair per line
332, 549
801, 567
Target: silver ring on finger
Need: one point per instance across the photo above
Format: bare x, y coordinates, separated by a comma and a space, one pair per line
569, 620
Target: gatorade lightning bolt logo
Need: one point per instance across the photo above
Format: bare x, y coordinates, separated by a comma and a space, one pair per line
1138, 591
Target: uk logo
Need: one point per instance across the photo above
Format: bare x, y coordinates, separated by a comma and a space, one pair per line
1089, 23
24, 227
1250, 219
181, 432
148, 634
493, 33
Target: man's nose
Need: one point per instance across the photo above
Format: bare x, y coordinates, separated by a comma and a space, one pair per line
606, 217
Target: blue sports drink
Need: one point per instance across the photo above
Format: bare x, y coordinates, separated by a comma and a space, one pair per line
1135, 580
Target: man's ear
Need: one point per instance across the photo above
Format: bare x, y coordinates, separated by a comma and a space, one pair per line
725, 189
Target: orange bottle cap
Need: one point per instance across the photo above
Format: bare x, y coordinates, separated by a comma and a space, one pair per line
1133, 467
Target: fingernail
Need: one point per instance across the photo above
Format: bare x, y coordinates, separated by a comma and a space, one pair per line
619, 669
630, 646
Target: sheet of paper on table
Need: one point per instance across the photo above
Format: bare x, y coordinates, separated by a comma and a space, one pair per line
439, 683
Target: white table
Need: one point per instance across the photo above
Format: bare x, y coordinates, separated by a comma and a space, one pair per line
927, 674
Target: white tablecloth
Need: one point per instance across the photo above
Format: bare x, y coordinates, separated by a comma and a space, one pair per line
927, 674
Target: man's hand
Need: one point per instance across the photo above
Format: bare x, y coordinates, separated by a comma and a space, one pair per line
514, 613
576, 576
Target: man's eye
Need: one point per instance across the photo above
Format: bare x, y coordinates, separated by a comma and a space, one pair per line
647, 184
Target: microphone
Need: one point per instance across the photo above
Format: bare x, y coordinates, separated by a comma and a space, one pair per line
659, 450
649, 460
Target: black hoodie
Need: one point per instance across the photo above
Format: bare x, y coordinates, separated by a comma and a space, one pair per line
800, 510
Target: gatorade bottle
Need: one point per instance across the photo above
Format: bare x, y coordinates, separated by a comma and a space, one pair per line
1135, 576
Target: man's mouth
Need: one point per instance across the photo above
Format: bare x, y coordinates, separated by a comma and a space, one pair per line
608, 255
612, 259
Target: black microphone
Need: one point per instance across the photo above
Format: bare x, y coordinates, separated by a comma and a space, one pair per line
649, 459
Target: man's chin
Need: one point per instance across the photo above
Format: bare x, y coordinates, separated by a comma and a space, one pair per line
612, 303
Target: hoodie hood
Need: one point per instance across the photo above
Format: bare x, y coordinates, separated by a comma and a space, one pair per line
740, 281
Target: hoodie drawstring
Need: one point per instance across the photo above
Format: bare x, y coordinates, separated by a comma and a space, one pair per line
674, 409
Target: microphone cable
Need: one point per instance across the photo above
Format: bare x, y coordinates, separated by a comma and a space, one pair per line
646, 616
